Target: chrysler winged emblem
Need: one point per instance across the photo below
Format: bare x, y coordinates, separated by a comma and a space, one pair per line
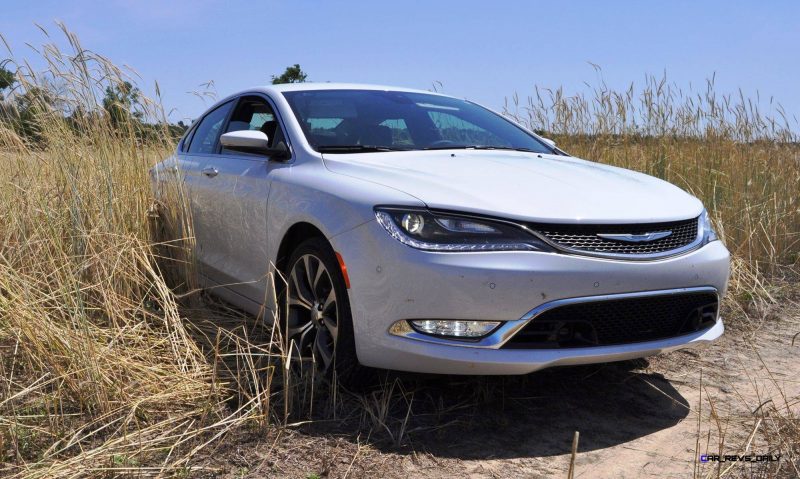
632, 238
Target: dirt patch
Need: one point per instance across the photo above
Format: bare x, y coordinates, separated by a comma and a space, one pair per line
636, 419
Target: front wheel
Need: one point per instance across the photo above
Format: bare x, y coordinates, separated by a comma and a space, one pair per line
317, 323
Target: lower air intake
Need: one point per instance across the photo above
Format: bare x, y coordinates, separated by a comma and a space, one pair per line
618, 321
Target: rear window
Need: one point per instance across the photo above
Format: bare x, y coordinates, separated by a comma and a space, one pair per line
204, 139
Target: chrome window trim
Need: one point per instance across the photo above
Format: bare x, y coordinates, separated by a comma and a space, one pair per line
508, 329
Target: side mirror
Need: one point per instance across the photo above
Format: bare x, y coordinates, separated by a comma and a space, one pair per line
252, 141
550, 142
245, 140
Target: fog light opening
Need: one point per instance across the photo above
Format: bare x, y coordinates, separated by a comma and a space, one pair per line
454, 328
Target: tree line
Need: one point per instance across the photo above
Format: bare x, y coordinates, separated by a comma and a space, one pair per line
122, 107
24, 107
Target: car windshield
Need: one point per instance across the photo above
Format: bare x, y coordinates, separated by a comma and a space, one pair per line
352, 121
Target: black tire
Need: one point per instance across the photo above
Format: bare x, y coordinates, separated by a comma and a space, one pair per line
298, 321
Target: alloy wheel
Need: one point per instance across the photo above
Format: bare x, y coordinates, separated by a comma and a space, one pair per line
312, 320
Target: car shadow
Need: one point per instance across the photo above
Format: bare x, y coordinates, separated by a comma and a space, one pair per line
512, 417
464, 417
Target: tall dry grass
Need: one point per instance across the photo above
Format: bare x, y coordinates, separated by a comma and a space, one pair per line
99, 370
741, 161
106, 367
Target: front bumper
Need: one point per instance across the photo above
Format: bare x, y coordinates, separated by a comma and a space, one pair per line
418, 356
391, 282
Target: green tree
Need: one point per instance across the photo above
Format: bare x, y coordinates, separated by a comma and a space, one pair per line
7, 78
293, 74
33, 108
120, 101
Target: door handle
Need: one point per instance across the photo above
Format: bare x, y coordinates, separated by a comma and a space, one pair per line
210, 171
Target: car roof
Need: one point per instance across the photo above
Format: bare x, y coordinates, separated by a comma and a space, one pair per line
310, 86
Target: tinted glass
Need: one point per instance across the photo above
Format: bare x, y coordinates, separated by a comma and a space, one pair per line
207, 132
404, 121
187, 139
454, 128
255, 113
251, 114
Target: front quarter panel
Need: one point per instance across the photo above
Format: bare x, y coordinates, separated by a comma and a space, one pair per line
307, 192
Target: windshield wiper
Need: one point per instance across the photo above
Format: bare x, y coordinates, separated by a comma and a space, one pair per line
479, 147
378, 148
356, 148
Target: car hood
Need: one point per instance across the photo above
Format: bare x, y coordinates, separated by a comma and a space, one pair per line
524, 186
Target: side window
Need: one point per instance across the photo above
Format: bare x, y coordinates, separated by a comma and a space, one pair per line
205, 136
187, 139
462, 132
255, 113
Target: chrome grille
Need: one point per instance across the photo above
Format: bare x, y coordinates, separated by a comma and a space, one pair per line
585, 237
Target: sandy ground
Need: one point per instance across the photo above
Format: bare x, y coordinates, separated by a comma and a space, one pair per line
647, 418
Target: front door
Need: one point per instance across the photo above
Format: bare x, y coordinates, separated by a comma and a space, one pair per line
237, 192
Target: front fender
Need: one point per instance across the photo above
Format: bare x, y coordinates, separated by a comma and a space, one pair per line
332, 203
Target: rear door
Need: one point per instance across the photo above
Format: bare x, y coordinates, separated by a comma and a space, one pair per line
202, 149
237, 191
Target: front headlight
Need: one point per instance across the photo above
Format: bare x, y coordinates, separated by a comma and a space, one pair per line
422, 229
709, 234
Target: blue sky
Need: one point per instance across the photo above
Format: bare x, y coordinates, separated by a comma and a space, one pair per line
485, 51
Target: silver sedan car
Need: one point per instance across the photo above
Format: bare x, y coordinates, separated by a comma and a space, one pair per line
421, 232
